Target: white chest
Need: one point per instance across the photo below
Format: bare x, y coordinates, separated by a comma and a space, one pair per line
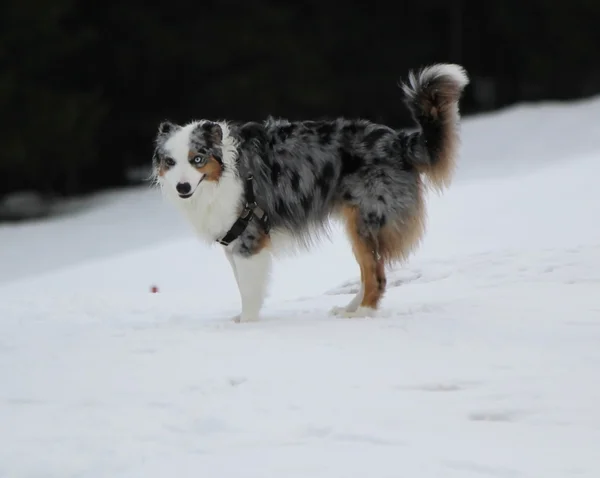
214, 208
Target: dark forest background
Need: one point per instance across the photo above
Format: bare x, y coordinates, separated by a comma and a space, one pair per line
83, 84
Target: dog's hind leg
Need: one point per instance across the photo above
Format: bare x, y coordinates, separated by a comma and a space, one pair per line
357, 299
363, 231
354, 303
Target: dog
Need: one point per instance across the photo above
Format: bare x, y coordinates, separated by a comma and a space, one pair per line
257, 187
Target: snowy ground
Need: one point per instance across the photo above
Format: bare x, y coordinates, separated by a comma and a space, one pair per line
485, 361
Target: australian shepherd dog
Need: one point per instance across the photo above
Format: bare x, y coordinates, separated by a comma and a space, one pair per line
257, 187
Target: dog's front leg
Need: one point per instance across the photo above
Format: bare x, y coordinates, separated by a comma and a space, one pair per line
231, 260
252, 276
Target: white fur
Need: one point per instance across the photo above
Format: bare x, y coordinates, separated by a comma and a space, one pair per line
355, 302
352, 306
358, 312
416, 80
212, 209
252, 276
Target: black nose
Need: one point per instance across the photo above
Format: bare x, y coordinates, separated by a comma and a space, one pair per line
183, 188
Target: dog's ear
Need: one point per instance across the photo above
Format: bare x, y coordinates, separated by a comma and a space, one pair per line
215, 132
166, 127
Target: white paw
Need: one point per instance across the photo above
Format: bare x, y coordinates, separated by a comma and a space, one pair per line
244, 318
359, 312
338, 311
350, 313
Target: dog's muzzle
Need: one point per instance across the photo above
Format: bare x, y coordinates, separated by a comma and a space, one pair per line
185, 190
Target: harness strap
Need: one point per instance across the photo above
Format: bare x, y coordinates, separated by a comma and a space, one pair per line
251, 211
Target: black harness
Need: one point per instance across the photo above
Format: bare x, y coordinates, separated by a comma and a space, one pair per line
251, 211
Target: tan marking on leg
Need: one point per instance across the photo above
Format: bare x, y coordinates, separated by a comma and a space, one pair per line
372, 268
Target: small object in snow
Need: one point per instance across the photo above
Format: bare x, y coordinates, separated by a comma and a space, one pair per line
154, 289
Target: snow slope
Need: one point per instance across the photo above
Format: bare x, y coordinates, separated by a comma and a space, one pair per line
485, 361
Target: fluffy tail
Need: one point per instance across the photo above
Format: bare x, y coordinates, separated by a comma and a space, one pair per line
432, 95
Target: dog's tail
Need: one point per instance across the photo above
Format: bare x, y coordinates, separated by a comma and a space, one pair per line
432, 95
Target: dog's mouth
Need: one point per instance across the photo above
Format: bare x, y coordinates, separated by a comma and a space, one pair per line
189, 195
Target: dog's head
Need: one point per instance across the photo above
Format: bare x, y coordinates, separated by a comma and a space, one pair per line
187, 156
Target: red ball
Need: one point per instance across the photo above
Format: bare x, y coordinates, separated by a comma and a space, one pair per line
154, 289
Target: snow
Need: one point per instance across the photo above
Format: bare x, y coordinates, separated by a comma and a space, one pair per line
484, 361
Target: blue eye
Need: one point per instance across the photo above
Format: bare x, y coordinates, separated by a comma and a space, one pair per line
199, 160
